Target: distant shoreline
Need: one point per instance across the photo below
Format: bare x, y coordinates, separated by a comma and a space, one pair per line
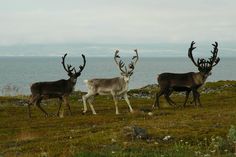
208, 87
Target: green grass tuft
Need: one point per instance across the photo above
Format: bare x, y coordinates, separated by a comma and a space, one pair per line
193, 131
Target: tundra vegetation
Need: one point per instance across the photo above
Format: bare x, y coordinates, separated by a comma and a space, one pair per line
190, 131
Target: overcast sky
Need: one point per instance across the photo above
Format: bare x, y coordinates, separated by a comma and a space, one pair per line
106, 22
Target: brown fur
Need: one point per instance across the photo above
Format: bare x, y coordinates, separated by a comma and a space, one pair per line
187, 82
60, 89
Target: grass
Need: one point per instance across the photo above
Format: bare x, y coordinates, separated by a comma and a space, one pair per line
193, 131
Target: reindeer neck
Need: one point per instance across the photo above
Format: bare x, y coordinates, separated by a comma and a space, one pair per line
125, 82
72, 81
200, 78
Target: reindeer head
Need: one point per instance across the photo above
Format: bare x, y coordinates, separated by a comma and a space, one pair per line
71, 72
121, 65
205, 66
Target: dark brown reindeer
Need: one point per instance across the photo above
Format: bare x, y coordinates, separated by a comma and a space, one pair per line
60, 89
187, 82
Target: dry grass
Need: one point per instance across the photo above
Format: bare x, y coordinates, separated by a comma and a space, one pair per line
89, 135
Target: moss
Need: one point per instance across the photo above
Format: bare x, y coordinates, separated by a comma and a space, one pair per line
102, 135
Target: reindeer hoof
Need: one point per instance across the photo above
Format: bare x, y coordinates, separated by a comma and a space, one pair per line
84, 112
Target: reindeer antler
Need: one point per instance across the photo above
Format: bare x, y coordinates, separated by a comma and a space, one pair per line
202, 63
190, 53
120, 63
134, 61
214, 59
81, 67
68, 69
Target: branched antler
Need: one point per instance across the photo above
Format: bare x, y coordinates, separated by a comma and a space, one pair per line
214, 59
81, 67
120, 63
190, 53
68, 69
203, 64
134, 61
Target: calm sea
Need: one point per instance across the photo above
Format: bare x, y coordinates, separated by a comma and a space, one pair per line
18, 73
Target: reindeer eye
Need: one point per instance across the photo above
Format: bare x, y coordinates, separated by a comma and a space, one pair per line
130, 73
131, 66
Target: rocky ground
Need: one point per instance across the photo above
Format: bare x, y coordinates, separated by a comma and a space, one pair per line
191, 131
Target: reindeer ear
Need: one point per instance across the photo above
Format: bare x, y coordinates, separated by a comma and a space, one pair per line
70, 74
78, 74
200, 69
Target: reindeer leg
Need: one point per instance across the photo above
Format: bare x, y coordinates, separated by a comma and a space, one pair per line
85, 98
198, 98
84, 103
170, 102
192, 101
38, 105
90, 100
29, 111
31, 102
168, 99
127, 101
186, 98
60, 102
157, 103
194, 97
169, 93
116, 102
67, 103
173, 103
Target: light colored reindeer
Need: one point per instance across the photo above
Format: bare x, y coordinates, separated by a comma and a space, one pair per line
115, 86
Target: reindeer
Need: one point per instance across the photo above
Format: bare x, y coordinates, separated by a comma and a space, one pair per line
111, 86
187, 82
60, 89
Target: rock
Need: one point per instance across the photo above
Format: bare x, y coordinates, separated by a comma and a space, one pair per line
135, 132
166, 138
150, 113
141, 95
22, 102
150, 86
